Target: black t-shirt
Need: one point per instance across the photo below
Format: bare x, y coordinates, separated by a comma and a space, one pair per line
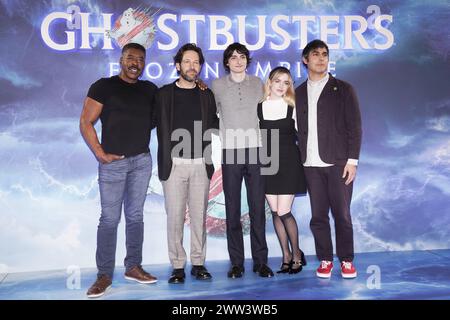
186, 110
126, 116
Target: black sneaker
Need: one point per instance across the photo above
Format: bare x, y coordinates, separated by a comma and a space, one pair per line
200, 273
263, 270
236, 272
178, 276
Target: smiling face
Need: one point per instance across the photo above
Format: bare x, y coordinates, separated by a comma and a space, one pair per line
317, 61
279, 85
189, 67
132, 65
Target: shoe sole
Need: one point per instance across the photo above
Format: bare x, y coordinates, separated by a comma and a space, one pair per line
176, 282
98, 295
324, 275
140, 281
259, 274
295, 271
202, 278
349, 275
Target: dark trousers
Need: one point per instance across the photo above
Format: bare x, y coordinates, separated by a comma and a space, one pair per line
232, 175
327, 189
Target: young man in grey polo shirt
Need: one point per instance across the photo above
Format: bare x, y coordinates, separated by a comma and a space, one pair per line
237, 96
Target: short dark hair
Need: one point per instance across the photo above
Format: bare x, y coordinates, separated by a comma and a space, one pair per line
313, 45
133, 45
239, 48
189, 47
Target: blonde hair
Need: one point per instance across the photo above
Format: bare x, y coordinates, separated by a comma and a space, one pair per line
289, 97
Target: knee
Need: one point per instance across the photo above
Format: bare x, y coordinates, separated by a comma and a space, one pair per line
234, 226
135, 218
134, 212
319, 221
344, 222
109, 221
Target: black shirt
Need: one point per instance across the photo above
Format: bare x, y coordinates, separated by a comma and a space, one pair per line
126, 116
186, 110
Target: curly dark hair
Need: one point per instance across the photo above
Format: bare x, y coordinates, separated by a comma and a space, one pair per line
189, 47
239, 48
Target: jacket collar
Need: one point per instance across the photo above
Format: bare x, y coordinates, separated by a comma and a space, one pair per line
331, 85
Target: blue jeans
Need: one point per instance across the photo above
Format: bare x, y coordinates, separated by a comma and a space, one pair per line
124, 182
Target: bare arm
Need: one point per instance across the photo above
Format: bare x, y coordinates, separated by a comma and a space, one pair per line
89, 115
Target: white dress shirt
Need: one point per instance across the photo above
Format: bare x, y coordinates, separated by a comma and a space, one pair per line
315, 88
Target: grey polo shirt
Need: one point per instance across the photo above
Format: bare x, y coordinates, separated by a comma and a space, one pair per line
237, 107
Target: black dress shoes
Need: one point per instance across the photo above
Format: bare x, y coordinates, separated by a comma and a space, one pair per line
236, 272
263, 270
200, 273
177, 276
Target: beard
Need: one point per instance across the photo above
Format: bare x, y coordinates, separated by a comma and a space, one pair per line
186, 77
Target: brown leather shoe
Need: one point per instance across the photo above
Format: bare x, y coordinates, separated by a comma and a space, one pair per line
140, 275
100, 286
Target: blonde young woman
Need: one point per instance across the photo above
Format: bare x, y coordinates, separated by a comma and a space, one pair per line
277, 112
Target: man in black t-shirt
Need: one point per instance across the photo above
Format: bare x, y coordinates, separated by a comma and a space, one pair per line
185, 114
124, 105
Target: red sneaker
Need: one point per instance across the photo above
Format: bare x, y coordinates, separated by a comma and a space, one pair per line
348, 270
324, 270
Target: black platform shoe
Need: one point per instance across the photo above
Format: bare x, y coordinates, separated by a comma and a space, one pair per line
302, 258
285, 267
297, 266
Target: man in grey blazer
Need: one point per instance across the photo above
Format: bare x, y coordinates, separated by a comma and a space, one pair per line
329, 135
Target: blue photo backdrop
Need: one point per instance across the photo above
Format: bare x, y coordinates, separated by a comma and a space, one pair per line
395, 53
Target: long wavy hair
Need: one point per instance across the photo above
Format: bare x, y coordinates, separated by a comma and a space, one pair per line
289, 97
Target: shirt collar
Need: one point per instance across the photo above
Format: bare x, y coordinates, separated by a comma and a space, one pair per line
178, 86
319, 82
231, 83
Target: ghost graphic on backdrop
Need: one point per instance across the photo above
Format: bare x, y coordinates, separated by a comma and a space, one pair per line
134, 25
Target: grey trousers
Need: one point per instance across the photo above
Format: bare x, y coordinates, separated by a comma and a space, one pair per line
187, 187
